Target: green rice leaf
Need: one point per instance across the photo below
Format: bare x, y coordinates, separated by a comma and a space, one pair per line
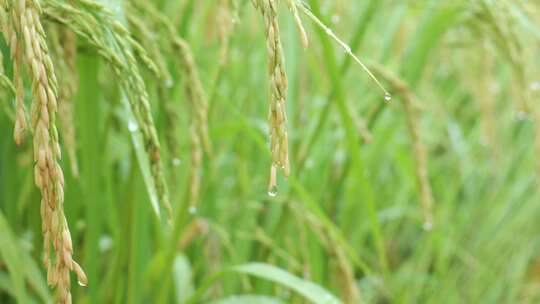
248, 299
311, 291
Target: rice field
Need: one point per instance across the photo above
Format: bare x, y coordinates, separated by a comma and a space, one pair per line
267, 152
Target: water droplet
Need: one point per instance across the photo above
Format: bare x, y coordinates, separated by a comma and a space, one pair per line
273, 191
176, 162
105, 243
83, 284
132, 126
387, 97
168, 83
329, 31
494, 88
427, 226
521, 115
535, 86
340, 156
347, 49
484, 141
192, 210
329, 299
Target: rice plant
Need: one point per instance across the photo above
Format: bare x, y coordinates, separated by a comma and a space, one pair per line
266, 151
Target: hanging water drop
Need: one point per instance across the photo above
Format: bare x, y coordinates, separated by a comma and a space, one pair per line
387, 97
272, 186
176, 162
427, 226
192, 210
273, 191
132, 126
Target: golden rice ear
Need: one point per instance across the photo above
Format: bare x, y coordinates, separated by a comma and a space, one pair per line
30, 48
115, 43
277, 91
194, 93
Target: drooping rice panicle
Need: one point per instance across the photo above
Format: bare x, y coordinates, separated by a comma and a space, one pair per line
150, 41
411, 106
49, 178
12, 35
277, 91
64, 49
195, 95
114, 42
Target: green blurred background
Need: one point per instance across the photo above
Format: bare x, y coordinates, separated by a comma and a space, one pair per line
349, 219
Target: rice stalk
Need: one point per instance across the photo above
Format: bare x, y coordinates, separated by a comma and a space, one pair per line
345, 273
194, 93
199, 122
170, 122
148, 37
48, 174
301, 31
342, 44
412, 115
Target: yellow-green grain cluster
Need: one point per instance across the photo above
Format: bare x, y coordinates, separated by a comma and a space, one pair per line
12, 34
30, 48
277, 90
412, 115
64, 49
193, 92
113, 42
